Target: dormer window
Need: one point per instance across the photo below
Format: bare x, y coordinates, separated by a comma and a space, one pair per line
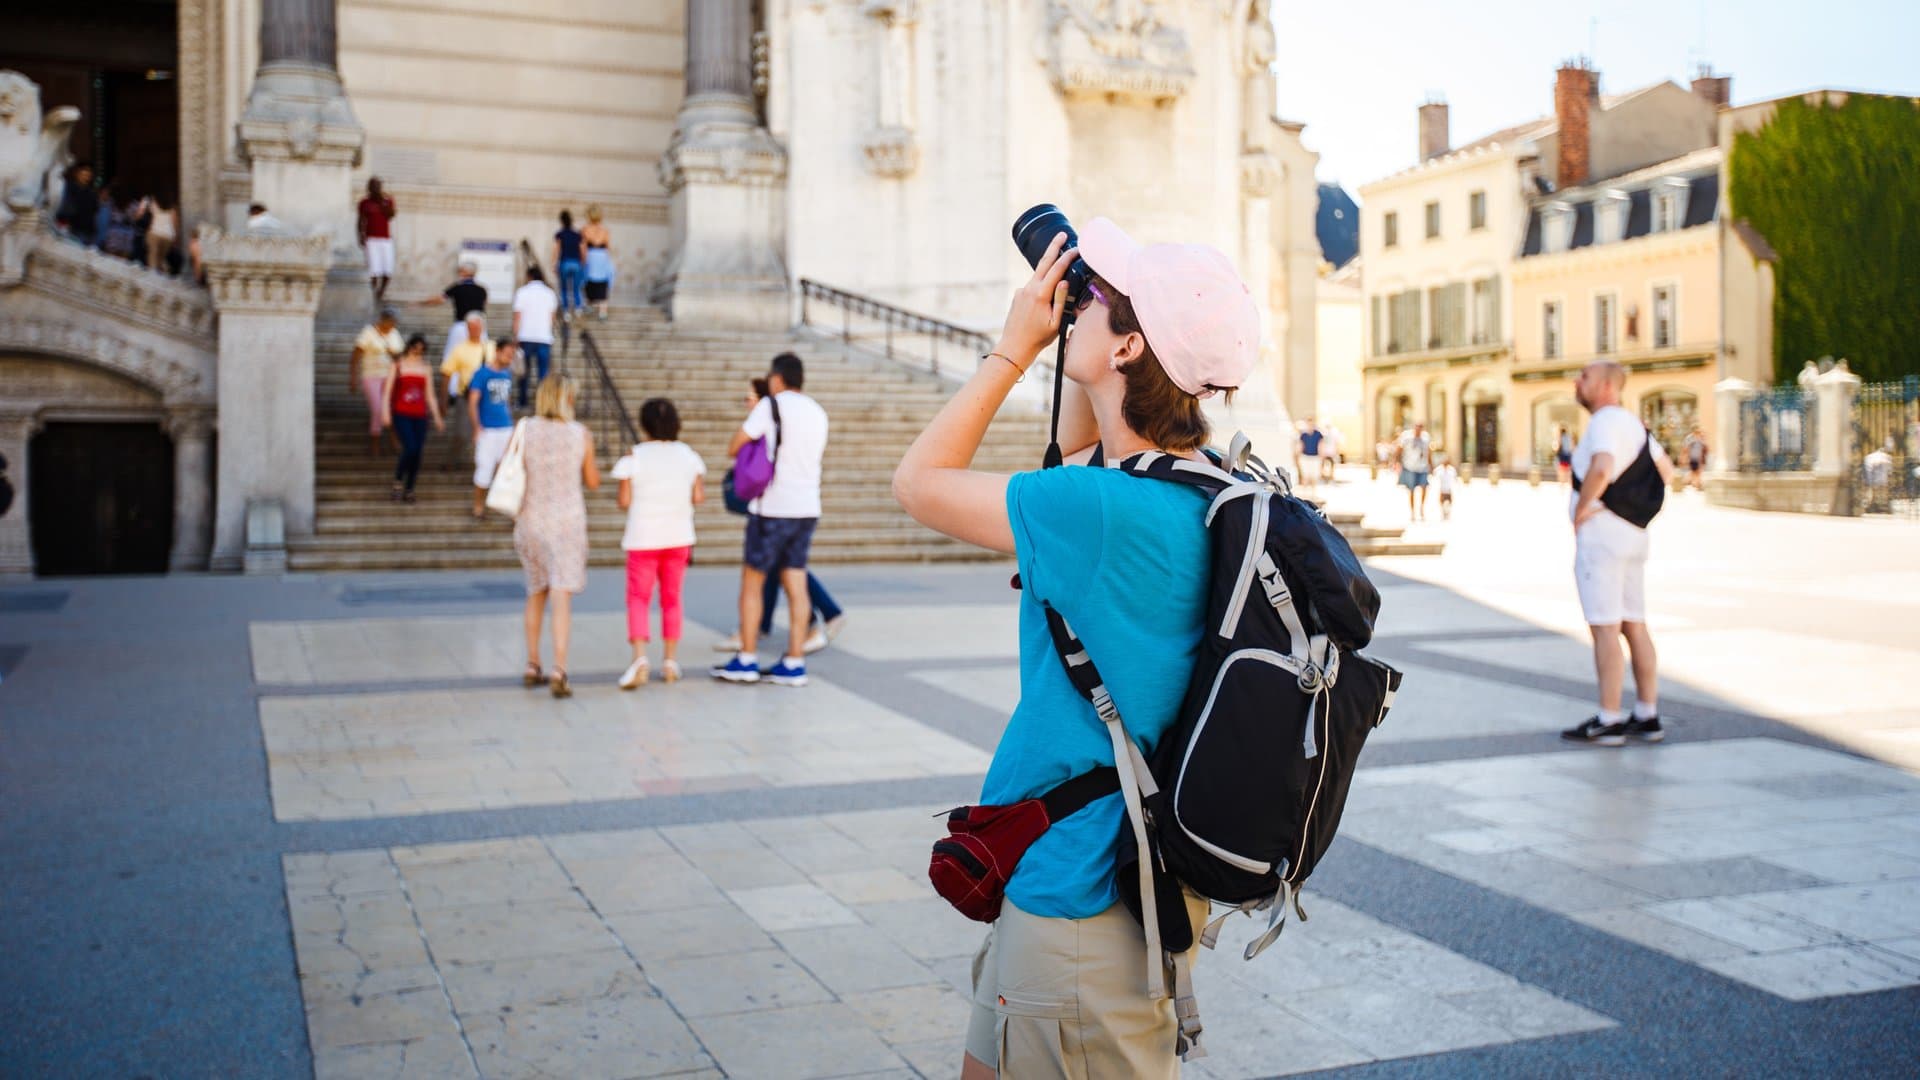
1556, 227
1610, 218
1670, 204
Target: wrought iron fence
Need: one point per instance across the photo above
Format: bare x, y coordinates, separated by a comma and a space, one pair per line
1777, 431
1885, 466
902, 336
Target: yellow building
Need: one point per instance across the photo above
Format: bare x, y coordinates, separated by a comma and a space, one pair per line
1609, 245
1626, 270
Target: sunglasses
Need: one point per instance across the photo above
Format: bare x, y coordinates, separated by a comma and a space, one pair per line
1087, 299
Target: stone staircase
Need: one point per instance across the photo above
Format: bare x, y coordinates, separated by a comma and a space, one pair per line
876, 409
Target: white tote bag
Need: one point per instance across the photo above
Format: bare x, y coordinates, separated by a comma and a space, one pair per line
510, 478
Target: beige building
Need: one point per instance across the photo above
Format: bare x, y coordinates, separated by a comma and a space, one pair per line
1340, 346
1441, 243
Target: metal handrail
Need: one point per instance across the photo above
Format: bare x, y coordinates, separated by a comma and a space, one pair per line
893, 318
600, 390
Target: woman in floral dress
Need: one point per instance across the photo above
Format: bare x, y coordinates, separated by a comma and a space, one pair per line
550, 534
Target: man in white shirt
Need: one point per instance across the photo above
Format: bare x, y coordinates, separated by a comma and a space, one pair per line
781, 521
1610, 560
534, 306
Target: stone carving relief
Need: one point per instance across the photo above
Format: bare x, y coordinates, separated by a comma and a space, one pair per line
263, 272
891, 147
33, 147
118, 289
142, 373
1127, 48
1259, 171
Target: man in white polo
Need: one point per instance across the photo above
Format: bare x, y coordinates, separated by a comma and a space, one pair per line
1610, 554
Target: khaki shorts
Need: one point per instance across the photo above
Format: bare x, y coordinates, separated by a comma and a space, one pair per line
1068, 998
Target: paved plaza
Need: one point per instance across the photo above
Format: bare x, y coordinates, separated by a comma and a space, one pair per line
314, 826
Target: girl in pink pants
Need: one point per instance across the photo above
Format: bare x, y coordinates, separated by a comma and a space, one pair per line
660, 484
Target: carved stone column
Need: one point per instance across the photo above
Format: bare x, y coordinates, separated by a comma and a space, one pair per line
192, 429
727, 178
266, 289
891, 147
17, 425
298, 132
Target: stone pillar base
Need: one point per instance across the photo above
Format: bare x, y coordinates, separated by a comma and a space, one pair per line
300, 137
726, 182
266, 289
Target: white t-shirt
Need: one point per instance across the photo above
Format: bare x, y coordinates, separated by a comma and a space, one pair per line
1443, 479
535, 304
1611, 430
795, 490
1415, 452
661, 513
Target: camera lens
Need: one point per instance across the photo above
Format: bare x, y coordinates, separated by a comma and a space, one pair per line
1035, 229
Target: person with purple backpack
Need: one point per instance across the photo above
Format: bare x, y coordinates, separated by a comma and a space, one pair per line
777, 454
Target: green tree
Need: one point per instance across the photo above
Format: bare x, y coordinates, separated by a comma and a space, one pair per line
1836, 190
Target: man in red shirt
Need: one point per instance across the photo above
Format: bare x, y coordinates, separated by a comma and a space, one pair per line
376, 235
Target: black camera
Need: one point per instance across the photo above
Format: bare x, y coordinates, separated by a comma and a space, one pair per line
1035, 229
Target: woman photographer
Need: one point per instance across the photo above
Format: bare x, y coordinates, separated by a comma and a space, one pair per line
1060, 985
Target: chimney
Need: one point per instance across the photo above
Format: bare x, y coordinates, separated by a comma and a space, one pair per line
1717, 89
1433, 130
1575, 90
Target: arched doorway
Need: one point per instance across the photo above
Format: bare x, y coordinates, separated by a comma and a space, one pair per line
1393, 412
1482, 403
100, 498
1670, 413
1549, 415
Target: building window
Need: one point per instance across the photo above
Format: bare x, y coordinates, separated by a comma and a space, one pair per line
1447, 316
1379, 329
1669, 204
1486, 311
1550, 329
1477, 210
1556, 228
1663, 317
1403, 319
1610, 218
1433, 220
1603, 306
1391, 229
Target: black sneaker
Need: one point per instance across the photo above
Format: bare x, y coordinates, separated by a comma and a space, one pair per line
1648, 729
1597, 731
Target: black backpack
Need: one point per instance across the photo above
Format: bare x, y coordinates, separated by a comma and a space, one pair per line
1244, 792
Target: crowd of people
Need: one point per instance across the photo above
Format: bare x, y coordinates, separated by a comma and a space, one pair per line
141, 227
478, 394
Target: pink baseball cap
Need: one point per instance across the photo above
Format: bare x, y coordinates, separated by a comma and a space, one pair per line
1196, 313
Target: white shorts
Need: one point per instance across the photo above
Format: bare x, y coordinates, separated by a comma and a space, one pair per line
487, 452
1610, 571
379, 256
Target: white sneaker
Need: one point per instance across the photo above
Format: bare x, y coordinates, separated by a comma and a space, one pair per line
635, 675
730, 644
835, 625
815, 643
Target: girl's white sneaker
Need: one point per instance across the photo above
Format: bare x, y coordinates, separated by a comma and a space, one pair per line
635, 675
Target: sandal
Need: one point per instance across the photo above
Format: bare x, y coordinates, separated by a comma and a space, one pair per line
670, 671
635, 675
559, 685
533, 675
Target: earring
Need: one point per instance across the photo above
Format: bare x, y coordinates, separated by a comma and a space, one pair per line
1113, 365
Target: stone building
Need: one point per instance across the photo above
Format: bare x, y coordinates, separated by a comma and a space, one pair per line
1442, 246
734, 147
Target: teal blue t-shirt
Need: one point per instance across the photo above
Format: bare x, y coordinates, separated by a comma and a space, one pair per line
1125, 559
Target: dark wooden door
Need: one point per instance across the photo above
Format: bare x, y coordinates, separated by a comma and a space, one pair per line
1486, 434
100, 499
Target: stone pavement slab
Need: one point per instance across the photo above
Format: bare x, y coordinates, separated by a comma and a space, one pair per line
1707, 815
360, 755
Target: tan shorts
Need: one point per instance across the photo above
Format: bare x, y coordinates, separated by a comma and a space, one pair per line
1068, 998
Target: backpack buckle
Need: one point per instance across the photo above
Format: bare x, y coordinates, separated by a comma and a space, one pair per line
1103, 704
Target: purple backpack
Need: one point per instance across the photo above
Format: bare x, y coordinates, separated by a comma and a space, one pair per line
753, 468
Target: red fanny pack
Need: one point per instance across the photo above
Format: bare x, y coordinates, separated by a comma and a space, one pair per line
971, 866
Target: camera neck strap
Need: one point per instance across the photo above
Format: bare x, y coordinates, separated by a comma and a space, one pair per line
1054, 458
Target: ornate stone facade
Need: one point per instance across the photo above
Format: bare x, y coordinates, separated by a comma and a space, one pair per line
1125, 48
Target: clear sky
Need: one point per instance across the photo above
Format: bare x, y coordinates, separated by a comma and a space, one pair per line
1356, 72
